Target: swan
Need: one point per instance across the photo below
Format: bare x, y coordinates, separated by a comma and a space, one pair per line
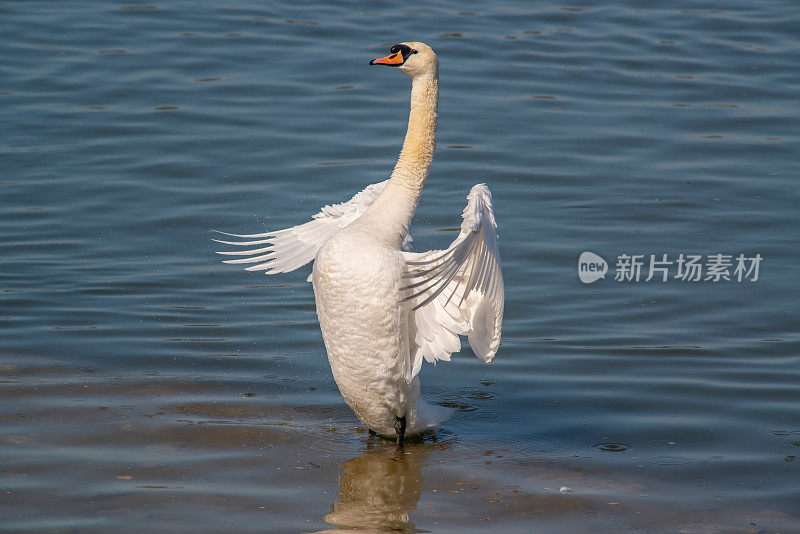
381, 308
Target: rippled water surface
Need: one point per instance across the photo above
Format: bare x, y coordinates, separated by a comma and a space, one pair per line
148, 388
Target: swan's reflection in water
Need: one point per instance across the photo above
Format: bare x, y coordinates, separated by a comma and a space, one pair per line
379, 489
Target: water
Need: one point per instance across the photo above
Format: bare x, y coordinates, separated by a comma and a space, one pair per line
146, 386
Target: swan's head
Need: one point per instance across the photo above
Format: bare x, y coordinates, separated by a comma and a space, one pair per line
415, 59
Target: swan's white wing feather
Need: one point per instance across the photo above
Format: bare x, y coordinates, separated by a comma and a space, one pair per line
285, 250
458, 291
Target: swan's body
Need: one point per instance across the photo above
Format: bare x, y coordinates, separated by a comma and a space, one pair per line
383, 310
371, 365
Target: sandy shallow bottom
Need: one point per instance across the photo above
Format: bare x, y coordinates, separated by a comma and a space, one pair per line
80, 445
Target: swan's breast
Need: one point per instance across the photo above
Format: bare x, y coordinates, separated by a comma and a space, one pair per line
356, 287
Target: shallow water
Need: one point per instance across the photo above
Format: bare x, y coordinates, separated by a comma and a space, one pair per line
147, 387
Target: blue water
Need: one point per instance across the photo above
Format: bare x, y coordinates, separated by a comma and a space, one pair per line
147, 387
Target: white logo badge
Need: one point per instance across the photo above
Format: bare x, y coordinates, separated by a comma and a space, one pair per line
591, 267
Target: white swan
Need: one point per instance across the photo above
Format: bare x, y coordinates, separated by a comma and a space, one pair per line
382, 309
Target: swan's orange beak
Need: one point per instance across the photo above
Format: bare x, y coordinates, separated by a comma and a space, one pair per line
392, 60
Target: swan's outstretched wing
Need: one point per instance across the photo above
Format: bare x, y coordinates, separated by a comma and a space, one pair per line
286, 250
458, 290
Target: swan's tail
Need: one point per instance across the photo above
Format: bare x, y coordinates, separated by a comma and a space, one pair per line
427, 416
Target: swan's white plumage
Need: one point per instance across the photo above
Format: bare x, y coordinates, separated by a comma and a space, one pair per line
435, 282
382, 309
291, 248
458, 290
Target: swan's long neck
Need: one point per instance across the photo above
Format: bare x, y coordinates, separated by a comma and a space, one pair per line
393, 209
417, 153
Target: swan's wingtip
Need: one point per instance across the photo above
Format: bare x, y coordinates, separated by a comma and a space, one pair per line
480, 187
224, 233
245, 236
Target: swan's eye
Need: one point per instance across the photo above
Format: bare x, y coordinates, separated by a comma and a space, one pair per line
403, 49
